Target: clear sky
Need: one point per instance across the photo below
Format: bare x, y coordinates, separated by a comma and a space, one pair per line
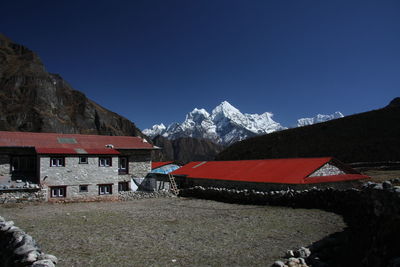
154, 61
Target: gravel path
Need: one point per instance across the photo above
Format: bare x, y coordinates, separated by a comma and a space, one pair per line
170, 232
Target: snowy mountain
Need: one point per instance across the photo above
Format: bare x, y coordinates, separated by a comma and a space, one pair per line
319, 118
225, 125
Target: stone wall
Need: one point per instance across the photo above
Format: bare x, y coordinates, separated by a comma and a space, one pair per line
4, 165
23, 195
371, 213
327, 170
74, 174
140, 164
19, 249
191, 182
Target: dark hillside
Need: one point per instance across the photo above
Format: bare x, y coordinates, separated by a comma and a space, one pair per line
185, 149
366, 137
33, 100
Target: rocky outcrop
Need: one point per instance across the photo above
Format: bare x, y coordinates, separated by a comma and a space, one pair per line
372, 214
33, 100
184, 150
19, 249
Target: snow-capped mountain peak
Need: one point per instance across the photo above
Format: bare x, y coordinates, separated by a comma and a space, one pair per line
226, 124
319, 118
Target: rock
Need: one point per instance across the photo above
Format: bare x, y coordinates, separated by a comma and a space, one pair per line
4, 226
289, 254
43, 263
302, 252
279, 264
387, 185
48, 257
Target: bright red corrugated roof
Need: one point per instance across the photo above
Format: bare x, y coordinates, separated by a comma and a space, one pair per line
94, 143
81, 151
289, 171
158, 164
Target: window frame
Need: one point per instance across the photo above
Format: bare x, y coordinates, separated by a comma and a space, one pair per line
57, 158
83, 162
60, 189
83, 191
124, 170
105, 192
121, 186
103, 161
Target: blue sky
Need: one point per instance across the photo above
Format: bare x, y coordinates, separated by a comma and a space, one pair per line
154, 61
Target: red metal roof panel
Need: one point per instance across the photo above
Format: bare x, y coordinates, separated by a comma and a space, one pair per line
289, 171
55, 140
76, 151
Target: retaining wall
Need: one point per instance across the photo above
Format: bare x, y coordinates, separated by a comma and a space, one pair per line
22, 195
371, 213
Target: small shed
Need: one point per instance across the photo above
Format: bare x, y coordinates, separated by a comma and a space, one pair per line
269, 174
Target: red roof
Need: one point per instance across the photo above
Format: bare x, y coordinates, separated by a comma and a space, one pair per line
74, 143
288, 171
158, 164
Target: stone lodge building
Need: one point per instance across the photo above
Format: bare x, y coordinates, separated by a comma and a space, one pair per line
73, 166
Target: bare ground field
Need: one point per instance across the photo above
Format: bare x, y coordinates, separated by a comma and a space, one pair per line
169, 232
379, 176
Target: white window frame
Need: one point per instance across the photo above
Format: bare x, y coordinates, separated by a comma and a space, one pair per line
57, 162
105, 189
105, 161
58, 192
81, 161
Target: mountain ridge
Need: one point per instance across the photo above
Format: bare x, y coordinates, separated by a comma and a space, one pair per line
34, 100
226, 125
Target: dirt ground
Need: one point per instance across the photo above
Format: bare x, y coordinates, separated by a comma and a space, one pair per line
379, 176
169, 232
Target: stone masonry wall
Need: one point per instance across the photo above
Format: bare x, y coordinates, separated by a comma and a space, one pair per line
74, 174
4, 165
326, 170
139, 164
19, 249
371, 213
23, 195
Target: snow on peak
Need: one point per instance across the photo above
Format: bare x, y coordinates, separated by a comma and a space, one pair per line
319, 118
226, 124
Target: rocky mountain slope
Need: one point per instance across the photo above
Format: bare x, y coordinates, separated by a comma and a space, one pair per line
227, 125
366, 137
33, 100
185, 149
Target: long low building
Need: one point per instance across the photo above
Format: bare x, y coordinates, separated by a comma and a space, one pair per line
269, 174
72, 166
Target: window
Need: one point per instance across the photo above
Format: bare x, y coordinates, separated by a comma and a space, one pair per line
59, 191
83, 188
57, 162
123, 186
83, 160
105, 189
123, 165
105, 162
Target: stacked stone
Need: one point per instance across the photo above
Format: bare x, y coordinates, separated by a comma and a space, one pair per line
21, 196
134, 195
294, 258
19, 249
